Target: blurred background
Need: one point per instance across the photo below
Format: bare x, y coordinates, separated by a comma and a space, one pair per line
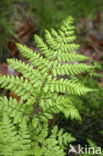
21, 19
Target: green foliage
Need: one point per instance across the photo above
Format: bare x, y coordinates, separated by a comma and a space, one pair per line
91, 111
91, 105
13, 141
25, 138
47, 85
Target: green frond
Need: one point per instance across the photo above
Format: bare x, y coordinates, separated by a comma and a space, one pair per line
56, 104
33, 57
24, 140
24, 68
50, 40
67, 57
49, 102
45, 88
18, 85
53, 149
72, 112
71, 57
59, 54
54, 144
67, 48
63, 39
43, 46
27, 71
64, 86
14, 141
70, 69
8, 136
17, 110
65, 138
45, 116
57, 44
54, 33
67, 25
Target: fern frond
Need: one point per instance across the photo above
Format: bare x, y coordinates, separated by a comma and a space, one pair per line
63, 39
14, 141
51, 145
17, 110
57, 50
58, 104
27, 71
65, 138
46, 86
18, 85
70, 69
34, 58
67, 26
24, 140
8, 136
24, 68
58, 45
64, 86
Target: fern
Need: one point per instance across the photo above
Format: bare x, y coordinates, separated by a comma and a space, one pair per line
45, 88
